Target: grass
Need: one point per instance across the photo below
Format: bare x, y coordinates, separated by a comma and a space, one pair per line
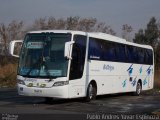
157, 79
8, 75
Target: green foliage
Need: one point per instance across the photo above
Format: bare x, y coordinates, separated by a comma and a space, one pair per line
148, 36
140, 37
157, 56
152, 32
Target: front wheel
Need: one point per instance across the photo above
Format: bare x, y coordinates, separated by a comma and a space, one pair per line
91, 92
138, 89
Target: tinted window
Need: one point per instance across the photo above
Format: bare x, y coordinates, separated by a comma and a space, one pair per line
140, 56
95, 49
121, 53
111, 51
131, 53
101, 50
78, 57
150, 56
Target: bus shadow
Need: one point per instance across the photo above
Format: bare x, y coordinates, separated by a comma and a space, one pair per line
82, 100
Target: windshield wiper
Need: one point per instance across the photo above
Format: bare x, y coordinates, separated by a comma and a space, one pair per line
37, 76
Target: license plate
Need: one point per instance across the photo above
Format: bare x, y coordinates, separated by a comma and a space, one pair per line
38, 91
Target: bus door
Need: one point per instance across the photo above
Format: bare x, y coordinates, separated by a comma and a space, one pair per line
76, 77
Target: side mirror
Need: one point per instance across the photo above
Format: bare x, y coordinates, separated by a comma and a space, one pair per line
12, 47
67, 49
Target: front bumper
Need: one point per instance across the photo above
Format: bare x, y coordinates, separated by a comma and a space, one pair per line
57, 91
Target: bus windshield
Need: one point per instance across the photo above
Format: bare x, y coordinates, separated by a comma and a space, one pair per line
42, 55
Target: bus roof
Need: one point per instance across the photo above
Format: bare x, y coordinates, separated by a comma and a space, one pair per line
59, 31
98, 35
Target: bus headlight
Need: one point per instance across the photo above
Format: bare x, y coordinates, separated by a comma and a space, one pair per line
20, 82
61, 83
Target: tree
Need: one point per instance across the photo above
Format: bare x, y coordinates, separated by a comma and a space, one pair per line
127, 29
15, 30
12, 31
72, 23
102, 27
140, 37
40, 24
150, 35
157, 56
87, 24
51, 23
4, 38
152, 32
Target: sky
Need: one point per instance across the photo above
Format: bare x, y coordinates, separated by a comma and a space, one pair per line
115, 13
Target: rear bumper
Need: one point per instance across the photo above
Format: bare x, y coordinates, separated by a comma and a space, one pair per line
57, 92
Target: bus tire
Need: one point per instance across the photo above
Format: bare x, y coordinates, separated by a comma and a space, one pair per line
138, 89
91, 92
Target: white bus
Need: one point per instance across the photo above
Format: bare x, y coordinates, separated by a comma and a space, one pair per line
73, 64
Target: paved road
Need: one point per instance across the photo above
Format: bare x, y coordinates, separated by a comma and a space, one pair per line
11, 105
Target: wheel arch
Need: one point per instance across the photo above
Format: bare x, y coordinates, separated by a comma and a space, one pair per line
94, 83
91, 95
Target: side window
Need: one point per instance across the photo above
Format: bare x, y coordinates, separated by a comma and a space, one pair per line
120, 53
146, 56
94, 49
141, 56
131, 54
109, 51
101, 50
150, 57
78, 57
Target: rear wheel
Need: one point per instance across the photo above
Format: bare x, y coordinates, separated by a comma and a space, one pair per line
138, 89
91, 92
